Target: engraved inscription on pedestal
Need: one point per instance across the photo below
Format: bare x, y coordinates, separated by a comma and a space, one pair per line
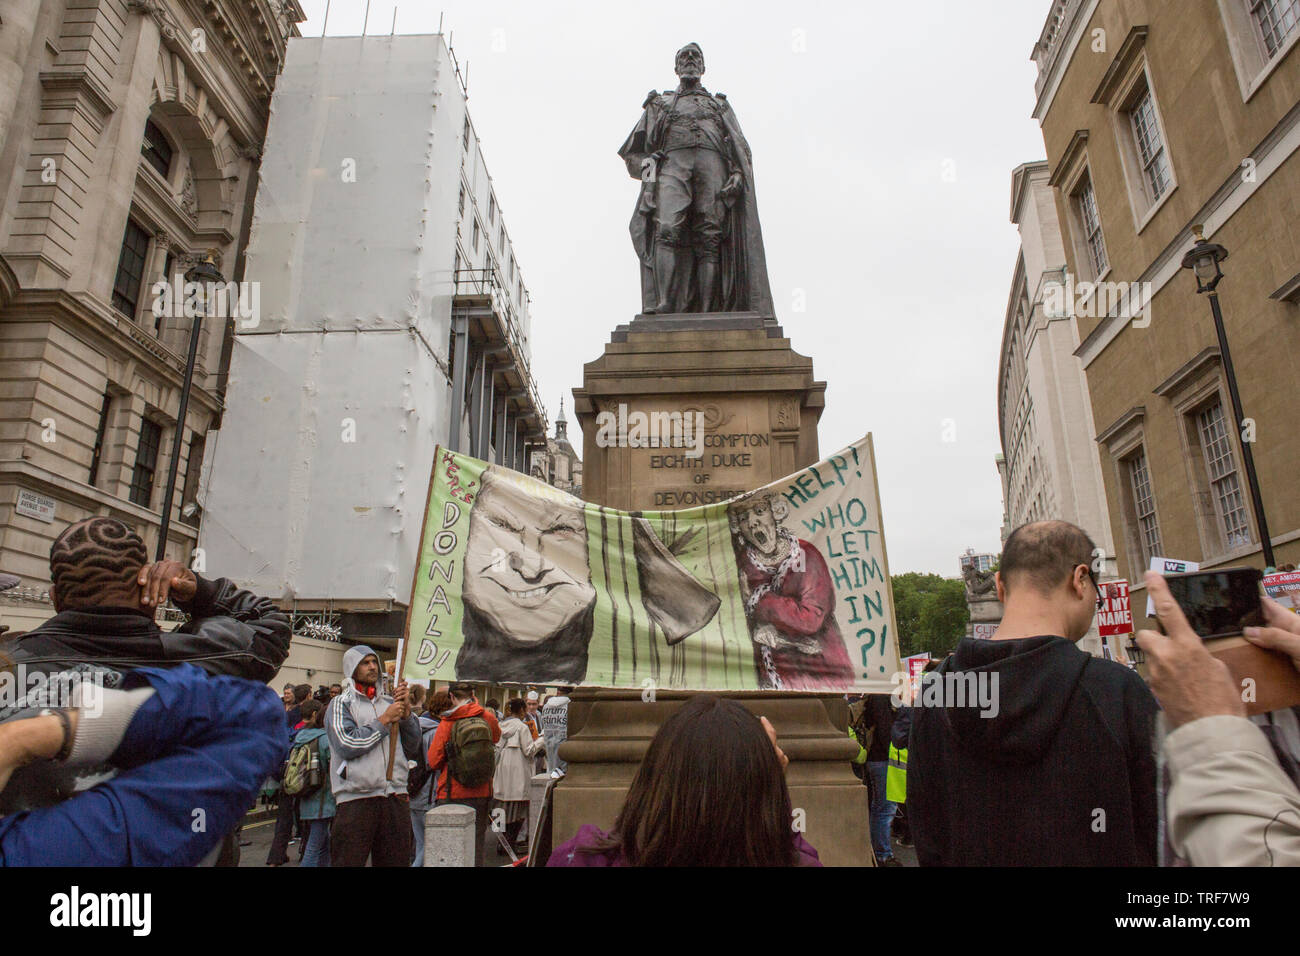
683, 454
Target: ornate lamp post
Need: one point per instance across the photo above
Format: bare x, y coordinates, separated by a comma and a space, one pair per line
201, 273
1203, 259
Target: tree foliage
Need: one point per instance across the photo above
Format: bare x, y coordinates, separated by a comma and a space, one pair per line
931, 612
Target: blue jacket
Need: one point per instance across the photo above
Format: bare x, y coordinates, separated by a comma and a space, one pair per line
191, 760
318, 805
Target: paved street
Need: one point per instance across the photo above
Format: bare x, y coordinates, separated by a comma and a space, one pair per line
258, 836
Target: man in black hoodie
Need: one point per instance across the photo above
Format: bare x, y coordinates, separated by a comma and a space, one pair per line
1028, 751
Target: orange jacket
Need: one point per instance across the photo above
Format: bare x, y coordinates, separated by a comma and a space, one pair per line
448, 787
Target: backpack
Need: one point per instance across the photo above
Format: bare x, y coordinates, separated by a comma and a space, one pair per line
471, 755
302, 771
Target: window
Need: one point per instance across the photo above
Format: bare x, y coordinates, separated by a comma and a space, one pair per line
1260, 33
193, 469
156, 150
1276, 20
1144, 507
492, 210
130, 269
1149, 176
460, 203
520, 290
1221, 465
1150, 145
1086, 201
465, 134
146, 462
101, 433
476, 234
501, 240
1133, 109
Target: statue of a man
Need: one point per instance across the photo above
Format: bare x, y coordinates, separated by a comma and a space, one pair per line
978, 583
695, 228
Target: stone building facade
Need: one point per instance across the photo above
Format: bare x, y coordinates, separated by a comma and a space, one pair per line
1158, 117
130, 136
1049, 465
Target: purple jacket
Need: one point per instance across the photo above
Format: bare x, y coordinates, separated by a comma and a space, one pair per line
567, 854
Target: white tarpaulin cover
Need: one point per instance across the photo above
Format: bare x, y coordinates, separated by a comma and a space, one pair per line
339, 393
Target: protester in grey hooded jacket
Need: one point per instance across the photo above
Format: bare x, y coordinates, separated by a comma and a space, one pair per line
359, 741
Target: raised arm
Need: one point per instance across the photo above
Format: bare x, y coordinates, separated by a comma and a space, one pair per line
193, 749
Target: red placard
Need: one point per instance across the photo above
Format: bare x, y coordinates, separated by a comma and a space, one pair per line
1116, 617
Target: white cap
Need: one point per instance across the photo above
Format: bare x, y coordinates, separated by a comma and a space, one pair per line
532, 695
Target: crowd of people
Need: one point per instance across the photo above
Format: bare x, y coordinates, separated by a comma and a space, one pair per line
345, 799
1032, 752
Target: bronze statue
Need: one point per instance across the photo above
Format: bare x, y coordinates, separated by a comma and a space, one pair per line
979, 584
695, 228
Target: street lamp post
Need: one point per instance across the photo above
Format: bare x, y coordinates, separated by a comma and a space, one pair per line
1203, 259
202, 273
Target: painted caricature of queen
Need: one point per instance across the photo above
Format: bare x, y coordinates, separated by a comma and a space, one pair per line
790, 600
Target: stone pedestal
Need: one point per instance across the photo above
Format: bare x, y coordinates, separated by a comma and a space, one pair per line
985, 615
760, 405
758, 397
614, 728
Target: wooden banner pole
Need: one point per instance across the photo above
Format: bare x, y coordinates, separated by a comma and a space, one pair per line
415, 577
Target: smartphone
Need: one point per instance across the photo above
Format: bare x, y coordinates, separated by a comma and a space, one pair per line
1219, 603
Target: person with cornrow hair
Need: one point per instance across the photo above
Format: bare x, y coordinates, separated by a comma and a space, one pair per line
106, 593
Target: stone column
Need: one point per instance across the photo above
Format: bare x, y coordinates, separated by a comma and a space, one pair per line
113, 180
502, 455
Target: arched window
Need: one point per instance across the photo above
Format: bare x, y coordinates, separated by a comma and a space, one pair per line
156, 149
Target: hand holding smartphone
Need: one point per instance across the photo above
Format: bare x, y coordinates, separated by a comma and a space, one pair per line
1219, 603
1218, 606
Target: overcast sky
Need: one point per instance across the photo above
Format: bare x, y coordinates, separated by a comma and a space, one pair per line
883, 134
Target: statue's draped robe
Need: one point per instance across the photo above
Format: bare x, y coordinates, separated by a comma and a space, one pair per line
742, 265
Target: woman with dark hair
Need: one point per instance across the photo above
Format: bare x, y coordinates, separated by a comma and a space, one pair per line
710, 791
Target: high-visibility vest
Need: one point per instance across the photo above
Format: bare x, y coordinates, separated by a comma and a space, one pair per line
896, 775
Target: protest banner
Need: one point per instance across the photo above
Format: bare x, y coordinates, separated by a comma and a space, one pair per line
1284, 588
1115, 617
785, 587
